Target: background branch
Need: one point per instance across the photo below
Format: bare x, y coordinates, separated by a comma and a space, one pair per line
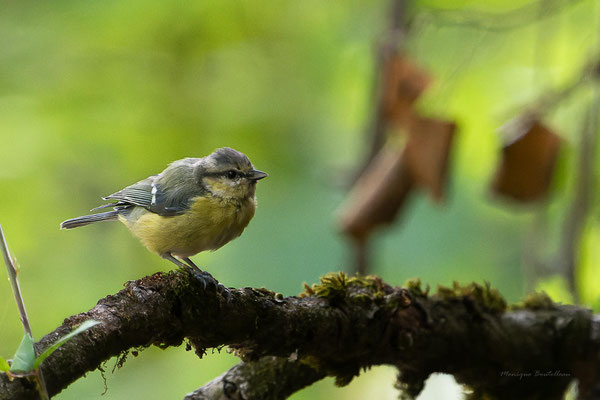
269, 378
579, 207
389, 47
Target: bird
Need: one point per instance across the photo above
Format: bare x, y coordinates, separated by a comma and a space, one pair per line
194, 205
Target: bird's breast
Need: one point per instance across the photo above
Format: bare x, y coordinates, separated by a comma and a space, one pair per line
209, 224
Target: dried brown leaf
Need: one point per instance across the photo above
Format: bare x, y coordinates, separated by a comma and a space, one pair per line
528, 160
427, 153
403, 83
377, 195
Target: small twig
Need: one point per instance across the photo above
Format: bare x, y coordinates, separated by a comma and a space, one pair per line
498, 22
12, 274
390, 43
585, 180
534, 264
585, 187
361, 255
387, 51
546, 103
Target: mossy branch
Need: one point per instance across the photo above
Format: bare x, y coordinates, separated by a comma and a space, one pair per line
336, 328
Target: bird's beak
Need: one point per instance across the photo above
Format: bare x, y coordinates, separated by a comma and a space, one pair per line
256, 175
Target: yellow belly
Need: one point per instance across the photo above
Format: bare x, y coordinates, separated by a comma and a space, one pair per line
209, 224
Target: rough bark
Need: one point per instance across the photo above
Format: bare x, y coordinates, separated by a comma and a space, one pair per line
269, 378
338, 327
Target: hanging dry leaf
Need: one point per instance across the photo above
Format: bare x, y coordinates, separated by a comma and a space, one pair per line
528, 160
403, 82
400, 83
427, 153
377, 195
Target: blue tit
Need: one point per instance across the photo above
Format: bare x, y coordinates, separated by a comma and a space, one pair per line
195, 204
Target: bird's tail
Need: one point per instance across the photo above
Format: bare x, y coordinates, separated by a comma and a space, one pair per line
88, 219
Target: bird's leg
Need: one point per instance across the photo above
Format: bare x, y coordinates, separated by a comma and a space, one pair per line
168, 256
191, 264
198, 271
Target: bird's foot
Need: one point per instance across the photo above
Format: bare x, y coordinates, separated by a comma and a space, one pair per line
207, 280
223, 291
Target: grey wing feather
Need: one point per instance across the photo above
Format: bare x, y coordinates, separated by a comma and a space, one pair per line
166, 194
139, 194
175, 187
106, 206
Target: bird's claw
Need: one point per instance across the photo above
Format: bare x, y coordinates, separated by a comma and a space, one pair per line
206, 279
223, 291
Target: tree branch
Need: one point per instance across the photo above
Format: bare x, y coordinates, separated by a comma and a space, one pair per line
270, 378
338, 327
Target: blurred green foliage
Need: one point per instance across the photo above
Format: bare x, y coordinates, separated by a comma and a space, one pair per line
97, 95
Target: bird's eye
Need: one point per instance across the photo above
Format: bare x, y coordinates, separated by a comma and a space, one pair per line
231, 174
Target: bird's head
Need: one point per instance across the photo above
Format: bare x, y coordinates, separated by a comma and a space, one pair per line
229, 174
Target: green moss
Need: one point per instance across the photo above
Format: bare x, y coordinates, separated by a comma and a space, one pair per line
312, 362
338, 286
180, 282
487, 297
362, 298
535, 301
332, 286
368, 281
414, 287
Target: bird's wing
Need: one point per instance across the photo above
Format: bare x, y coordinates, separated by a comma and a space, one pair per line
139, 194
175, 187
165, 194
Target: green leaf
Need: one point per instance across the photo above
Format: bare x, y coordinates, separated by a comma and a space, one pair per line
4, 365
81, 328
24, 357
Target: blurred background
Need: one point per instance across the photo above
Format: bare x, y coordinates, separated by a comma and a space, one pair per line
95, 96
